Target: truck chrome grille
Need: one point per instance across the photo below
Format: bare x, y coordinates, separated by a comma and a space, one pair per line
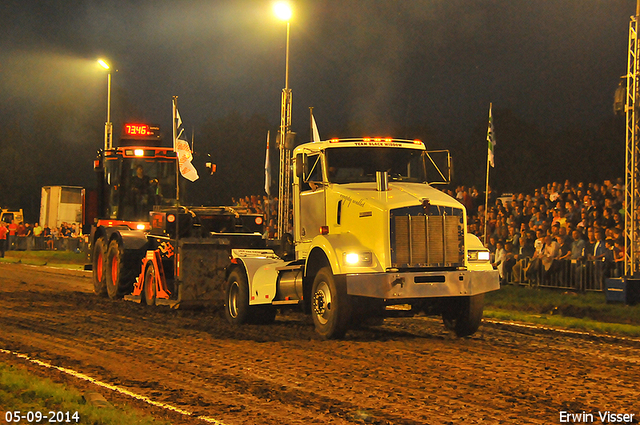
435, 239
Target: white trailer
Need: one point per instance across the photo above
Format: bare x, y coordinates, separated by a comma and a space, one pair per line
61, 204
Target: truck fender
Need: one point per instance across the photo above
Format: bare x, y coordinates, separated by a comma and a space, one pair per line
262, 277
334, 246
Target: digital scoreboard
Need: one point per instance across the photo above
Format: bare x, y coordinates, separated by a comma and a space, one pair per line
132, 132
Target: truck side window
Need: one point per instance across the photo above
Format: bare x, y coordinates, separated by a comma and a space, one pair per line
313, 173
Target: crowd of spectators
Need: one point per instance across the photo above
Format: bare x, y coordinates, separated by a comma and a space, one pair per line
561, 227
261, 205
23, 236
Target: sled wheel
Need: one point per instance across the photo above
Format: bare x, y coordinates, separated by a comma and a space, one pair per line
149, 286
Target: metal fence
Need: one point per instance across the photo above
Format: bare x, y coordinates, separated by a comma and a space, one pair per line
574, 275
42, 243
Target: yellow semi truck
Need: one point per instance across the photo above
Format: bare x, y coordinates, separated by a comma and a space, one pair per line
369, 232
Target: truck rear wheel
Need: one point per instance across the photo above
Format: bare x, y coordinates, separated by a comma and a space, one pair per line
149, 285
236, 301
330, 305
98, 258
120, 272
464, 314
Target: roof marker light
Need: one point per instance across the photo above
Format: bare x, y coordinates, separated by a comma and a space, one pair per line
334, 140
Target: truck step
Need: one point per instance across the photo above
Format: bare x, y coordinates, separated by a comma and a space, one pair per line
286, 302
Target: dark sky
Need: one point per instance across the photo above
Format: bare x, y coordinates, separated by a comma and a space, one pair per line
377, 65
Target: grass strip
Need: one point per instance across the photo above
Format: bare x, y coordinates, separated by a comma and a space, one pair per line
20, 391
584, 311
64, 259
573, 323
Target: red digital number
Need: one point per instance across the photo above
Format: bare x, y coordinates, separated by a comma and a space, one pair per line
137, 129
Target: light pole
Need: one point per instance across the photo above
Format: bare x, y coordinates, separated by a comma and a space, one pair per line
108, 127
283, 12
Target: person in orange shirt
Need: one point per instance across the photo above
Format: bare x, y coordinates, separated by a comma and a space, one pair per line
3, 238
13, 231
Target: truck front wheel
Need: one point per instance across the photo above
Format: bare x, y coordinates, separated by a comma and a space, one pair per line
464, 314
98, 257
236, 308
330, 305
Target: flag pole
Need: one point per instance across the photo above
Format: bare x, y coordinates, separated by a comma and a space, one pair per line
486, 188
486, 200
311, 122
175, 135
267, 184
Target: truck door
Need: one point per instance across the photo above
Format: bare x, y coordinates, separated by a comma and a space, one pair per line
312, 198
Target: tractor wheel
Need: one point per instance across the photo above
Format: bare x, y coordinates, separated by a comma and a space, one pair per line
330, 305
464, 314
98, 258
236, 301
121, 273
149, 286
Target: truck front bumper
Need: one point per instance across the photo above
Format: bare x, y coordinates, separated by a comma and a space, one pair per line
422, 284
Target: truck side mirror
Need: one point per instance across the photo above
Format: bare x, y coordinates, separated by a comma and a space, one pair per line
300, 161
290, 140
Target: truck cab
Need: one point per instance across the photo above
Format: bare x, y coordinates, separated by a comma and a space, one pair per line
7, 216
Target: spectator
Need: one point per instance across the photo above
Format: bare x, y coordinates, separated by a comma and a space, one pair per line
533, 271
564, 247
549, 256
499, 258
13, 231
509, 261
3, 238
513, 237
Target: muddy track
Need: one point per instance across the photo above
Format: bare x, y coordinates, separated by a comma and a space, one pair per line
408, 371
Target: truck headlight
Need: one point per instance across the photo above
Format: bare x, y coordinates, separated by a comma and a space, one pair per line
357, 258
479, 256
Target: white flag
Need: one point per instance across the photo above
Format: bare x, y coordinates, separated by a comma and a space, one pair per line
316, 135
181, 147
491, 139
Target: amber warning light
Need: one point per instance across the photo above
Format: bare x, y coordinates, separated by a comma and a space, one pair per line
137, 130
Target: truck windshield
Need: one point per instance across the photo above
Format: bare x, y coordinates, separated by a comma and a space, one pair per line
359, 164
135, 186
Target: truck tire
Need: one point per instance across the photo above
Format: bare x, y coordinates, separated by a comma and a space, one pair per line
149, 286
330, 305
464, 314
236, 300
120, 271
98, 260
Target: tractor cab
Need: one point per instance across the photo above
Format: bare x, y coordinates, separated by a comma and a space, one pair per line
135, 177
